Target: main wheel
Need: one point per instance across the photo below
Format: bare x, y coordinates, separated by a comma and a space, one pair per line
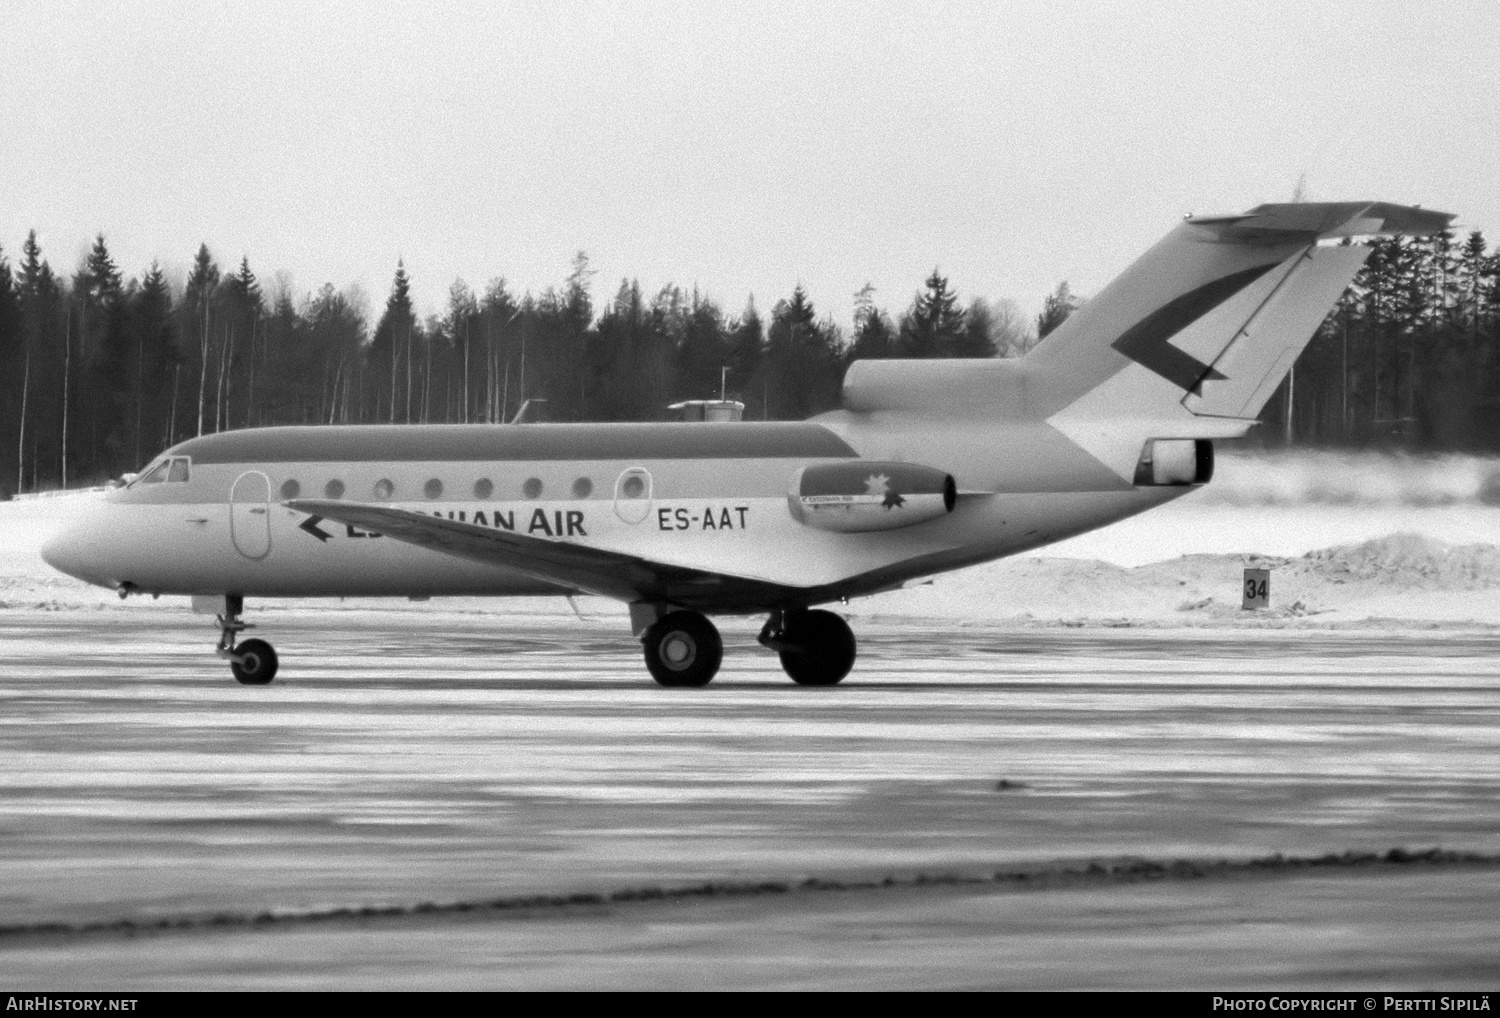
820, 648
683, 649
256, 665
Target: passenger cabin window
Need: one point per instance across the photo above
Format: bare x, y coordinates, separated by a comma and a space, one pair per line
179, 470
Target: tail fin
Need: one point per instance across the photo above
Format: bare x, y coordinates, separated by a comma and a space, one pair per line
1222, 305
1189, 342
1192, 339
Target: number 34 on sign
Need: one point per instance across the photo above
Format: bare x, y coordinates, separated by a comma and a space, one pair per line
1257, 589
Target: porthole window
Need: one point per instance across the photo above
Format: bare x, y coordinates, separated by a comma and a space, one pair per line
532, 488
290, 488
633, 495
384, 488
583, 488
334, 489
433, 488
483, 488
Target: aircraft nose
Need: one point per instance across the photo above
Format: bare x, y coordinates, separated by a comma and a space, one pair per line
67, 549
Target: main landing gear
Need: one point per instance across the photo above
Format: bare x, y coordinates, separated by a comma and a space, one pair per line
252, 662
816, 646
683, 649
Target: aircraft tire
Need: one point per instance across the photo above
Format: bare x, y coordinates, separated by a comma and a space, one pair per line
257, 664
825, 648
683, 649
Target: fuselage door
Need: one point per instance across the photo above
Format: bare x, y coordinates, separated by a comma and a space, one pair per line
250, 514
633, 495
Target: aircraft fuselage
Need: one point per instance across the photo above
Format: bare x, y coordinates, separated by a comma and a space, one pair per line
699, 496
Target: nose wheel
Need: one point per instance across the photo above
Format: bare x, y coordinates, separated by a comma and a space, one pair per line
253, 662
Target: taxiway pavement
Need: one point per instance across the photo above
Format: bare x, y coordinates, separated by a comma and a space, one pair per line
440, 756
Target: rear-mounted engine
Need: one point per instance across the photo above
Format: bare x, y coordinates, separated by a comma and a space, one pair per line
1169, 461
866, 495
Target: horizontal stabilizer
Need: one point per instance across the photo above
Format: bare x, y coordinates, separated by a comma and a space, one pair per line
1323, 220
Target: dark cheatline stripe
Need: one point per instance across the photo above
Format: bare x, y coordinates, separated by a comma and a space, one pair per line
498, 442
1147, 341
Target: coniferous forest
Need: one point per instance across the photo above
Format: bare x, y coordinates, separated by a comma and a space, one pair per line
99, 372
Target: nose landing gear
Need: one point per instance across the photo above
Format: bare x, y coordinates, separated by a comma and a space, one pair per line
253, 662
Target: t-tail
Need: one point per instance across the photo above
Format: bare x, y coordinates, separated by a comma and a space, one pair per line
1189, 343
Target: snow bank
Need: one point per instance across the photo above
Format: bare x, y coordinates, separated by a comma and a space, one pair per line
1407, 577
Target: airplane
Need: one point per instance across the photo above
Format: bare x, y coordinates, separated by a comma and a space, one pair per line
927, 466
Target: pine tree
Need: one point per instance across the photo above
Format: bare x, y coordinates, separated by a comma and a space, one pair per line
747, 343
803, 364
13, 375
1055, 310
702, 350
458, 326
105, 390
154, 330
499, 315
874, 337
390, 350
202, 284
44, 335
978, 337
934, 324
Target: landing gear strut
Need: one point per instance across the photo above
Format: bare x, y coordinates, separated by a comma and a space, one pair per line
682, 649
252, 662
816, 646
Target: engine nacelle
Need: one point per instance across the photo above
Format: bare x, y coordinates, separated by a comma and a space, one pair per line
1174, 461
870, 495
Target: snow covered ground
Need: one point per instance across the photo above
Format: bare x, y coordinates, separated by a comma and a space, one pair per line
1350, 539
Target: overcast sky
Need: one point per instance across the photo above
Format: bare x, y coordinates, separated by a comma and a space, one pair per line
739, 146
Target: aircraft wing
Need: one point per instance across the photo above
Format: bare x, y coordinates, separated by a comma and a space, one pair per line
574, 566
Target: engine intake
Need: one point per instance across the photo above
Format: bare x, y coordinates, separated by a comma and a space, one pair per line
870, 495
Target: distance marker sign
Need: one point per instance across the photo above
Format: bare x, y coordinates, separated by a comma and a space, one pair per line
1257, 589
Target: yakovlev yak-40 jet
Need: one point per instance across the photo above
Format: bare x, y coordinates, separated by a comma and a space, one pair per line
929, 465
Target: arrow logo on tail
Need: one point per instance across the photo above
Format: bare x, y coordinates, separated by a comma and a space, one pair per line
1148, 342
311, 526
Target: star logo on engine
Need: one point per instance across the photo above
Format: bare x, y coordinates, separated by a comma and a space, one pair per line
880, 484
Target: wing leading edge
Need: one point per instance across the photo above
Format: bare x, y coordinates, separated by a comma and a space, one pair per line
573, 567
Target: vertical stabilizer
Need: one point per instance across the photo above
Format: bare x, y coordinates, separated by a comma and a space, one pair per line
1192, 340
1184, 310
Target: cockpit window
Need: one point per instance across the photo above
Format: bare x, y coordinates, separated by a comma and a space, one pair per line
157, 474
174, 470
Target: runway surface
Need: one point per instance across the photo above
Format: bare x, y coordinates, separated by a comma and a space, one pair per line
438, 756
